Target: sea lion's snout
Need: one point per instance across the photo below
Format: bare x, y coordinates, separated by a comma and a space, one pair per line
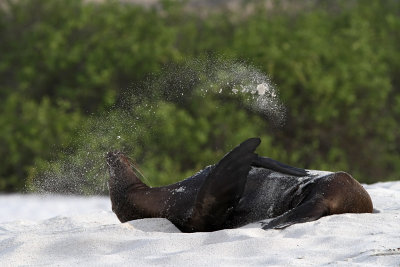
112, 158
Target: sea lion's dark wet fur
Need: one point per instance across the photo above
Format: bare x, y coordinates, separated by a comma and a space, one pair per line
242, 188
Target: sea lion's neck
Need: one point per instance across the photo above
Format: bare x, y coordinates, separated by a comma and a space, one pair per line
135, 184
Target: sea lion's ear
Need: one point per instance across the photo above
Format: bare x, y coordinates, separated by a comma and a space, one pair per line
222, 188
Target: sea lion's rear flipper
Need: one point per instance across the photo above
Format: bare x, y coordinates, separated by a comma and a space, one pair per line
310, 210
274, 165
222, 188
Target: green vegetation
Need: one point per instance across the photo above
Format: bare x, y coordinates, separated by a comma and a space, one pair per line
80, 78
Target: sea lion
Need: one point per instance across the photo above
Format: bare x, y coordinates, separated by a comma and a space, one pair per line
241, 188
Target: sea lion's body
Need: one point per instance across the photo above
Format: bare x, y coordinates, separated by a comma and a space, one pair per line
236, 191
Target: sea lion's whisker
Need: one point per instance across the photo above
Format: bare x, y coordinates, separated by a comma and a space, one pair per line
136, 168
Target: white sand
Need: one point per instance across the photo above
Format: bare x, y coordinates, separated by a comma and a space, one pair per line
85, 232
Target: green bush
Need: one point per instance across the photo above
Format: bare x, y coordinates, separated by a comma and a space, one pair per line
30, 132
169, 141
85, 53
336, 80
73, 81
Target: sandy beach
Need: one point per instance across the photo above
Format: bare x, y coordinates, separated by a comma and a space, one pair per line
65, 231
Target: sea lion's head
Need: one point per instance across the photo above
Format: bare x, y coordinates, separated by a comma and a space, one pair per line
122, 183
115, 161
119, 168
122, 170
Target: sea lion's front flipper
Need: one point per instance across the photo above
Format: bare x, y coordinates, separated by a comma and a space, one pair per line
310, 210
274, 165
222, 188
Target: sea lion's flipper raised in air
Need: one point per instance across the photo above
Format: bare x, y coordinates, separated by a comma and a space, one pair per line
222, 188
277, 166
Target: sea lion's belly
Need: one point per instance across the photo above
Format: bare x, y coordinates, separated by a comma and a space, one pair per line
268, 194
